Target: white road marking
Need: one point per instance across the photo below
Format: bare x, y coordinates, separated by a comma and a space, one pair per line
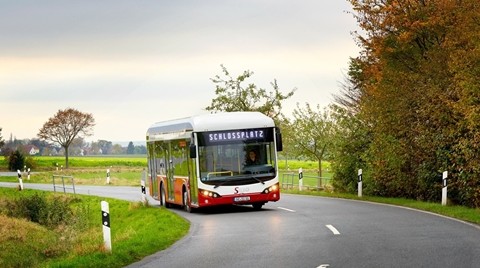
333, 229
290, 210
323, 266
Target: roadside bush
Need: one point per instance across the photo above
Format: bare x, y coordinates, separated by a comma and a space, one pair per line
16, 161
37, 208
30, 163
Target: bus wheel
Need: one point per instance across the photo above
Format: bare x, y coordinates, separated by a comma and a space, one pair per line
163, 200
186, 206
257, 206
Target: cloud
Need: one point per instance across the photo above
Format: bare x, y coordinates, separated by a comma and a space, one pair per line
143, 61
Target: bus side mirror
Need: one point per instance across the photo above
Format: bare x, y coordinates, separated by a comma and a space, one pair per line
278, 137
193, 151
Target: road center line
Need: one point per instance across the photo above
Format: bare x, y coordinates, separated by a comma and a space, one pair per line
333, 229
290, 210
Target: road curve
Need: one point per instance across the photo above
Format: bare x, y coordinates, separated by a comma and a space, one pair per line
306, 231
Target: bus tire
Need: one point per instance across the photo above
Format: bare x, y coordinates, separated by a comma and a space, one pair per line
257, 206
163, 199
186, 205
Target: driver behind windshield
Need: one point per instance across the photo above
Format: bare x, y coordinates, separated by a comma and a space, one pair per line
252, 158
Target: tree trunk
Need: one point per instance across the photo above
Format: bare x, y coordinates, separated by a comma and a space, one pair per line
66, 156
319, 182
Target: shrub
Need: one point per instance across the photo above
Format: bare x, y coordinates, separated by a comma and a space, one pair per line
30, 163
16, 160
37, 208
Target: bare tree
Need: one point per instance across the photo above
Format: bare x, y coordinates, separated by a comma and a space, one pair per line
65, 126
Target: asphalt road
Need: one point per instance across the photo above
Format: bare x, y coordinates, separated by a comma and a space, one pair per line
303, 231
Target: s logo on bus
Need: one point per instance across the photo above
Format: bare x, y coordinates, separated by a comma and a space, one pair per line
240, 190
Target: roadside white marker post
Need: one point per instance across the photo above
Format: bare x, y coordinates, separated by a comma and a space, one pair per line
360, 182
300, 177
142, 183
108, 176
444, 189
20, 179
28, 174
107, 240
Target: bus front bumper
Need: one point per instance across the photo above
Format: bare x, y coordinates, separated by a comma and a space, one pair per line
209, 198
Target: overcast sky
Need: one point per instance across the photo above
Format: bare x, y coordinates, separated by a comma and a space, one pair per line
134, 63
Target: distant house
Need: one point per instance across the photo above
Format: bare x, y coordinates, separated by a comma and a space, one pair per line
32, 149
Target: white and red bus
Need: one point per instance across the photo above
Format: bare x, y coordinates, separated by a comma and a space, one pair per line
202, 160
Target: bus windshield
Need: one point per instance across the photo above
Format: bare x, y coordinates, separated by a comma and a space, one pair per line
237, 157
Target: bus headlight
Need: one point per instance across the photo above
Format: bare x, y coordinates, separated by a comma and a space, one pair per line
206, 193
270, 189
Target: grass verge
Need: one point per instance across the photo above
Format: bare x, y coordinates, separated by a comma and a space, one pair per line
119, 176
46, 163
137, 231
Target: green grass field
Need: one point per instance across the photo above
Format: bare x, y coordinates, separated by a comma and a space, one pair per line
47, 163
137, 231
126, 171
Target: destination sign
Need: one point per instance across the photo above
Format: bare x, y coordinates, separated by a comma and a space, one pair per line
235, 136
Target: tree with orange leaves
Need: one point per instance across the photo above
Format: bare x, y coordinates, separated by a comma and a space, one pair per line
65, 126
420, 96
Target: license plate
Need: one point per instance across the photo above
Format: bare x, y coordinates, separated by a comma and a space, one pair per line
241, 198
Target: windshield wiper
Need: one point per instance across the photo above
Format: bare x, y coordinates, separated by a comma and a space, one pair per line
221, 182
257, 179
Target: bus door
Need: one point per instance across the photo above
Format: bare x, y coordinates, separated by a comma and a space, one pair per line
153, 186
192, 176
170, 171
